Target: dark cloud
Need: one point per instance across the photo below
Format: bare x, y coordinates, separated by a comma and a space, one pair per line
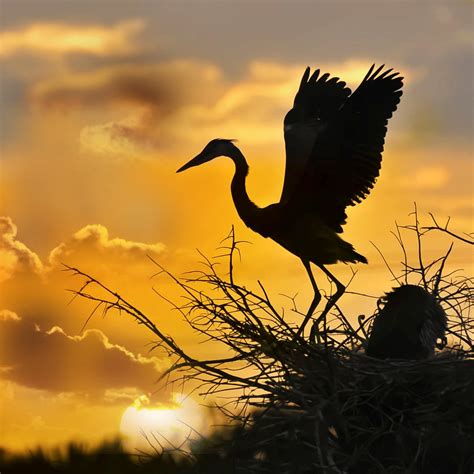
145, 101
122, 86
49, 359
162, 87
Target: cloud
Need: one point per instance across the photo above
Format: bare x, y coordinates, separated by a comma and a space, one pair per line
62, 38
125, 137
53, 360
255, 105
163, 86
38, 292
124, 395
93, 241
90, 243
252, 107
15, 256
170, 103
427, 178
7, 315
37, 351
145, 101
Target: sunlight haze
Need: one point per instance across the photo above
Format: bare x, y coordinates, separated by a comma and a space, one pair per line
102, 102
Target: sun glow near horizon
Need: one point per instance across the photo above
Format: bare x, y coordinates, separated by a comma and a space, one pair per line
147, 427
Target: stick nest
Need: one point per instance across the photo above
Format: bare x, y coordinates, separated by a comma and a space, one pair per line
297, 406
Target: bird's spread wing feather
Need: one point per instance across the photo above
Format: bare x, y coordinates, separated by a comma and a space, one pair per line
346, 156
318, 98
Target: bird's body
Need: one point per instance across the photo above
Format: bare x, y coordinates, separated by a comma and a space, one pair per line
317, 243
334, 142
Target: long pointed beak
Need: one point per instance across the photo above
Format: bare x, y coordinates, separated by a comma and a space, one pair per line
197, 160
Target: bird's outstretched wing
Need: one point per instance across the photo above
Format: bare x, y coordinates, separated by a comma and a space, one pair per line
347, 153
318, 98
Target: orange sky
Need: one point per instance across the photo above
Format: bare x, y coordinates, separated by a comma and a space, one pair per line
100, 106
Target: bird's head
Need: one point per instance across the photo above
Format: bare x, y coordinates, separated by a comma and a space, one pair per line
215, 148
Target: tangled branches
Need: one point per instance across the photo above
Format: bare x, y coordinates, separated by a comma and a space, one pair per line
324, 407
452, 289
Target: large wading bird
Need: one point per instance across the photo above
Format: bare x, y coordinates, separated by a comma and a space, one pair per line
334, 141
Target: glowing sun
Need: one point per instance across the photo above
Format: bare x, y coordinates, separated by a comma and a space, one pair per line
145, 427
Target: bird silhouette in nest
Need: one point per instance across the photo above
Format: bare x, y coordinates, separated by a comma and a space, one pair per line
408, 325
334, 140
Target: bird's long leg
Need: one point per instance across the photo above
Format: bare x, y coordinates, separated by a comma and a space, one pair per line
316, 299
332, 300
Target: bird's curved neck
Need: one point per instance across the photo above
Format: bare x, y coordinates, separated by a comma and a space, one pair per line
245, 207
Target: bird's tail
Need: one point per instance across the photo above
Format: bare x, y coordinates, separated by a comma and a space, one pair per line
345, 253
355, 257
359, 258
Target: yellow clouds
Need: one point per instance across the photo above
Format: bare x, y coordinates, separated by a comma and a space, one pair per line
39, 293
35, 350
15, 256
169, 104
252, 107
52, 360
41, 352
93, 241
276, 83
90, 243
7, 315
62, 38
126, 137
143, 100
428, 177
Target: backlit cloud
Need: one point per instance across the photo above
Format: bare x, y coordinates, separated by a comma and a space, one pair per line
428, 177
253, 107
53, 360
145, 100
7, 315
63, 38
181, 101
163, 86
88, 243
36, 291
15, 256
126, 137
93, 241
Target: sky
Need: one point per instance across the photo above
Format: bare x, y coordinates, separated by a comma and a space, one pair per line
102, 101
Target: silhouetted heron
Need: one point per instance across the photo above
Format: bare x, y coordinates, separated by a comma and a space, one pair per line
334, 142
407, 326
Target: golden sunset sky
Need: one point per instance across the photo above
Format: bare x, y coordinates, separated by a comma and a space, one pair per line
102, 101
